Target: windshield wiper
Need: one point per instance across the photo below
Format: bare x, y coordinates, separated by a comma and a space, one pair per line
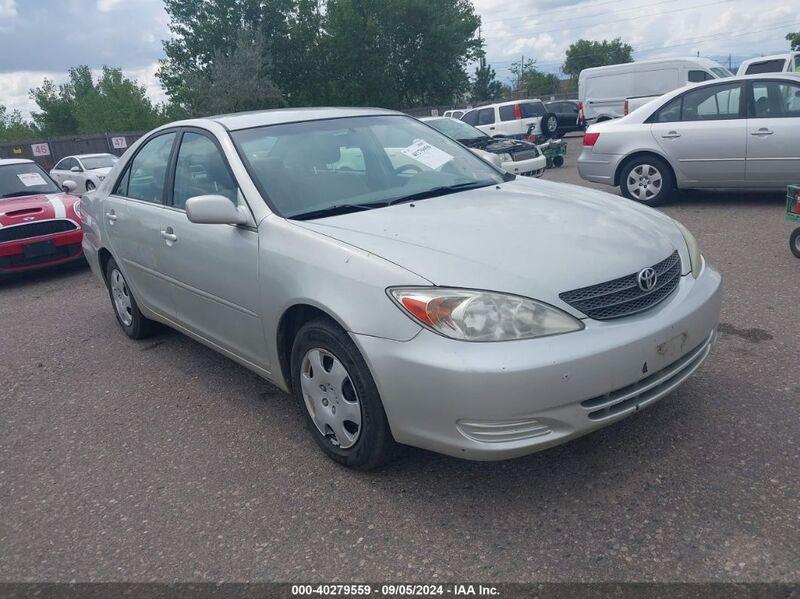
335, 210
441, 191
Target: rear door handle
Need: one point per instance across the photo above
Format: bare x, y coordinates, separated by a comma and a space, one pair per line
671, 135
762, 131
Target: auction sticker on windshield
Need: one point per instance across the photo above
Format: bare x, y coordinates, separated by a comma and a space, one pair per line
31, 179
426, 154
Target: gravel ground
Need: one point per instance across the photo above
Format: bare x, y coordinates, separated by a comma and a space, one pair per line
161, 460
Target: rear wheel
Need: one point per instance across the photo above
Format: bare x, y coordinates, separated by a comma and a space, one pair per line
343, 409
135, 325
647, 180
794, 242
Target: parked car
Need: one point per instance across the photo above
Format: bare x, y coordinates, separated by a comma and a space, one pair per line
39, 224
734, 133
87, 170
512, 155
568, 114
454, 114
447, 306
788, 62
511, 119
603, 90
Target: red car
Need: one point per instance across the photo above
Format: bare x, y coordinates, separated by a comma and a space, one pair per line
39, 223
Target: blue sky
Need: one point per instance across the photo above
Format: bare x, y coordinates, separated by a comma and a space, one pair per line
42, 38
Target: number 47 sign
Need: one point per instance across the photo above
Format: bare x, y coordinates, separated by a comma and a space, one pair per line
119, 143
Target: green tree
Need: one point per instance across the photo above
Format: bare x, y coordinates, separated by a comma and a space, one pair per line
484, 85
794, 40
13, 127
400, 54
202, 31
585, 54
530, 81
234, 81
82, 105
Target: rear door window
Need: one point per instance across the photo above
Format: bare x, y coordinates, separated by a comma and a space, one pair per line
506, 113
486, 116
712, 103
148, 170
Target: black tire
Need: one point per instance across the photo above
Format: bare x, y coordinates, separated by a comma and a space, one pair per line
794, 242
647, 180
139, 327
90, 186
375, 445
549, 124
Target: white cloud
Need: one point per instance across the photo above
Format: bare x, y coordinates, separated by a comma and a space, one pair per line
8, 8
107, 5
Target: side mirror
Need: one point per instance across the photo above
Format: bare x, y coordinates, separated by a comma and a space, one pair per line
75, 169
69, 186
214, 210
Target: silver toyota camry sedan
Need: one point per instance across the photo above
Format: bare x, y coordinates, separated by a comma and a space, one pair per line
403, 290
739, 132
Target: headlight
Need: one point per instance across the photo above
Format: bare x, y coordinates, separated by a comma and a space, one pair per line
505, 157
471, 315
695, 257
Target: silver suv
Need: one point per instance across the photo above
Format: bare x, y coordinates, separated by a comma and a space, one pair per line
739, 132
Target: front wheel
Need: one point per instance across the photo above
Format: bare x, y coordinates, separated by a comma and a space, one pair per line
794, 242
89, 185
343, 409
647, 180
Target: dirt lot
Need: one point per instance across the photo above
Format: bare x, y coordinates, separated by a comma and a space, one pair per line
161, 460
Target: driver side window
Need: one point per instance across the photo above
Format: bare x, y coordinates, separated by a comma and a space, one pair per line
201, 170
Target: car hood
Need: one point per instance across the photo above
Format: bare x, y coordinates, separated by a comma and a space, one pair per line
529, 237
17, 211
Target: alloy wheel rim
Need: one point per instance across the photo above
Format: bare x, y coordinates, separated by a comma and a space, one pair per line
552, 123
89, 185
330, 398
644, 182
122, 297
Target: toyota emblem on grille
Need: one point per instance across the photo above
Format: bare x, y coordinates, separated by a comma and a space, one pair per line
647, 279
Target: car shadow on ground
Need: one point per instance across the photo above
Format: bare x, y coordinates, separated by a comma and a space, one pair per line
732, 198
55, 273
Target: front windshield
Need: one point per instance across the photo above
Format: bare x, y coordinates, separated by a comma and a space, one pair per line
456, 129
721, 72
92, 162
319, 165
17, 180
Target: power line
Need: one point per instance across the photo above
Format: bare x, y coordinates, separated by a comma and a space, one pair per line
553, 10
676, 45
601, 14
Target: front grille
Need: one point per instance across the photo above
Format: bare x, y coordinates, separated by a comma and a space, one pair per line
60, 253
36, 229
623, 296
649, 388
524, 155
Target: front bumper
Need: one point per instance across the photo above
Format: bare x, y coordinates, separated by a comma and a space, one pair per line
532, 166
67, 247
598, 168
489, 401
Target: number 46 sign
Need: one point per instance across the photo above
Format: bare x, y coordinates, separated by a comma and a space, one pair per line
42, 149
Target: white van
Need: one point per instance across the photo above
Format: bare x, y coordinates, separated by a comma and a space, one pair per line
777, 63
603, 90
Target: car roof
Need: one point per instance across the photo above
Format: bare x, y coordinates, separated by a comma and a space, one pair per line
8, 161
498, 104
707, 62
99, 155
260, 118
783, 56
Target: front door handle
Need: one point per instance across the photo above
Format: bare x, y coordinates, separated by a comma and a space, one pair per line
761, 131
491, 128
169, 236
671, 135
111, 216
